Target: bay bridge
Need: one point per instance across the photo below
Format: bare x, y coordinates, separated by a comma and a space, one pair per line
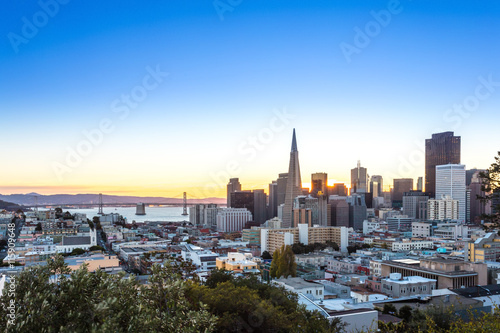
99, 203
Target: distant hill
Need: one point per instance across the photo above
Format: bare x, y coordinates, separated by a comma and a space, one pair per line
9, 206
86, 199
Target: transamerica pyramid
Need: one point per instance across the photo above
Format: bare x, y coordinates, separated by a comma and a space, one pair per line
293, 185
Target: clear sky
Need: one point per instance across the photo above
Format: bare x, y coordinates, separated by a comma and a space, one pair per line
171, 93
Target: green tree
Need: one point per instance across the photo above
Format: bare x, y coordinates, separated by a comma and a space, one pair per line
333, 245
96, 248
59, 212
38, 226
389, 308
81, 301
283, 263
218, 276
266, 255
405, 313
247, 305
77, 251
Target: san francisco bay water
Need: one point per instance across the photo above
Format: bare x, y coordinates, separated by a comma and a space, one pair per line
154, 213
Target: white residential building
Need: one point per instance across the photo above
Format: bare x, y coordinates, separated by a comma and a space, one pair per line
442, 209
369, 226
376, 267
232, 219
409, 246
421, 229
203, 259
313, 291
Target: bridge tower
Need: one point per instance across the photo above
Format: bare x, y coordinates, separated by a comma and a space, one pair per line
184, 205
100, 212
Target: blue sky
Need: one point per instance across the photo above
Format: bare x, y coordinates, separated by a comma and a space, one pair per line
226, 79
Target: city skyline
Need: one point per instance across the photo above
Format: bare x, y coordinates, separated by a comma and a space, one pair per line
220, 100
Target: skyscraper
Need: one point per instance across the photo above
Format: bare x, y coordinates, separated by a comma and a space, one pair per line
420, 184
281, 183
411, 204
259, 206
294, 183
400, 187
319, 182
359, 179
442, 148
233, 186
477, 207
450, 181
272, 208
243, 199
377, 186
338, 189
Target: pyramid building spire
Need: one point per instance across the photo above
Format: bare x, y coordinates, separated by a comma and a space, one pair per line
294, 142
294, 184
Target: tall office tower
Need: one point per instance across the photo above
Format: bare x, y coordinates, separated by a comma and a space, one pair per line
411, 204
338, 189
259, 206
319, 183
420, 184
301, 216
308, 202
477, 208
376, 186
442, 148
467, 204
233, 186
387, 199
294, 183
400, 187
243, 199
357, 210
340, 212
272, 208
281, 183
450, 181
422, 209
324, 211
359, 179
469, 173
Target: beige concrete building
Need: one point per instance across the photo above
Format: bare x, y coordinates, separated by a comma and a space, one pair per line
239, 262
272, 239
449, 273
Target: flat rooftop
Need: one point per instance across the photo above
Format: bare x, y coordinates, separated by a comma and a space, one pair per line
298, 283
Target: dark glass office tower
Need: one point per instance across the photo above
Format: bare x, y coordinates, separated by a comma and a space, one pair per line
442, 148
